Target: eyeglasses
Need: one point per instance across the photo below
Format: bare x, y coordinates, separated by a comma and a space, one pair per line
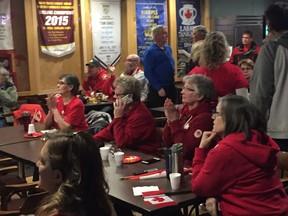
188, 89
246, 68
131, 60
215, 114
62, 83
118, 95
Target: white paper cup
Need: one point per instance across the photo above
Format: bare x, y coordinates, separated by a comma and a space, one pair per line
118, 158
104, 151
175, 180
31, 129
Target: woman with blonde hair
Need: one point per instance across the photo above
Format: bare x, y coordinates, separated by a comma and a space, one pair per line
247, 66
228, 78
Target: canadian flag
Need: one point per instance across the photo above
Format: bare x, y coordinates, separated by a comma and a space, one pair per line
37, 116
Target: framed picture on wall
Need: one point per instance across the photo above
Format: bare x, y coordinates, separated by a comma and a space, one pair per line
6, 61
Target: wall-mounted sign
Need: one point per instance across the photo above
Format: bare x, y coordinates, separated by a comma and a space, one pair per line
6, 37
106, 29
188, 15
149, 13
56, 25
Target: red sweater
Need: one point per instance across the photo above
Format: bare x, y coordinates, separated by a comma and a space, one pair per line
135, 130
102, 82
227, 78
188, 129
242, 176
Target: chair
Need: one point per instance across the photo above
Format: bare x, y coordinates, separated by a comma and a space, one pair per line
29, 205
37, 113
97, 120
11, 184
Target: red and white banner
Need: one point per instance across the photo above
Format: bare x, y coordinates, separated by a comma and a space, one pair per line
6, 36
56, 24
106, 29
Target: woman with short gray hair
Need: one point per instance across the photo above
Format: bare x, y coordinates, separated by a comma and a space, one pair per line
8, 97
133, 125
187, 124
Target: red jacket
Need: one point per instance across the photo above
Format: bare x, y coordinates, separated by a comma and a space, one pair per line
135, 130
242, 176
102, 82
242, 52
188, 129
227, 78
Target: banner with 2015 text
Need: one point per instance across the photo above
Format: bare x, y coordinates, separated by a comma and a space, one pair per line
56, 25
6, 36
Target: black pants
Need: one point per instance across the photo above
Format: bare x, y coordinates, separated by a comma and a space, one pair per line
154, 100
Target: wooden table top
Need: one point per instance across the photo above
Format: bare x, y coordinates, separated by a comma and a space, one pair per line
122, 193
15, 134
120, 190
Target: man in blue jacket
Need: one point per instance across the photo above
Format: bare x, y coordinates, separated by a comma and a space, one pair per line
159, 68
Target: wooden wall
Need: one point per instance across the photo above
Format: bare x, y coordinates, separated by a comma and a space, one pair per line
38, 74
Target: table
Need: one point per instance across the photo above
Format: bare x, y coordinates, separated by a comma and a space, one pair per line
98, 106
15, 134
120, 190
27, 152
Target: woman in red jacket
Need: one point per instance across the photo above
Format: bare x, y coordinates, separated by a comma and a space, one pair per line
187, 124
240, 171
133, 125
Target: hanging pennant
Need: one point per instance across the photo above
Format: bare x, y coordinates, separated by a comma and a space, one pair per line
56, 25
6, 37
106, 30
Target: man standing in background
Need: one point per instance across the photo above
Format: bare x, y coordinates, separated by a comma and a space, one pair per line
132, 68
198, 34
159, 68
246, 49
269, 82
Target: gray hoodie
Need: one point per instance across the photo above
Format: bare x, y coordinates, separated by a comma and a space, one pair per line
269, 85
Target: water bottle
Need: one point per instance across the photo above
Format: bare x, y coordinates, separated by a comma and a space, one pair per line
174, 159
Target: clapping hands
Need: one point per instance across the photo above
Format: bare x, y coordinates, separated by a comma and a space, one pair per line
171, 112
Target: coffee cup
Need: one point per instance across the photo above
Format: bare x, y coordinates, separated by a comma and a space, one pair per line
175, 180
118, 158
104, 151
31, 129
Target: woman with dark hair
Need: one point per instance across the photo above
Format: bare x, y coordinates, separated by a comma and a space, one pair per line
240, 171
187, 124
133, 125
71, 170
66, 111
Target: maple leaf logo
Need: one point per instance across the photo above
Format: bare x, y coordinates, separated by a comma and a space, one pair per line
158, 199
188, 14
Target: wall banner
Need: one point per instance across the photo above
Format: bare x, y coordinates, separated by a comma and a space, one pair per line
6, 36
106, 30
56, 24
149, 13
188, 15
